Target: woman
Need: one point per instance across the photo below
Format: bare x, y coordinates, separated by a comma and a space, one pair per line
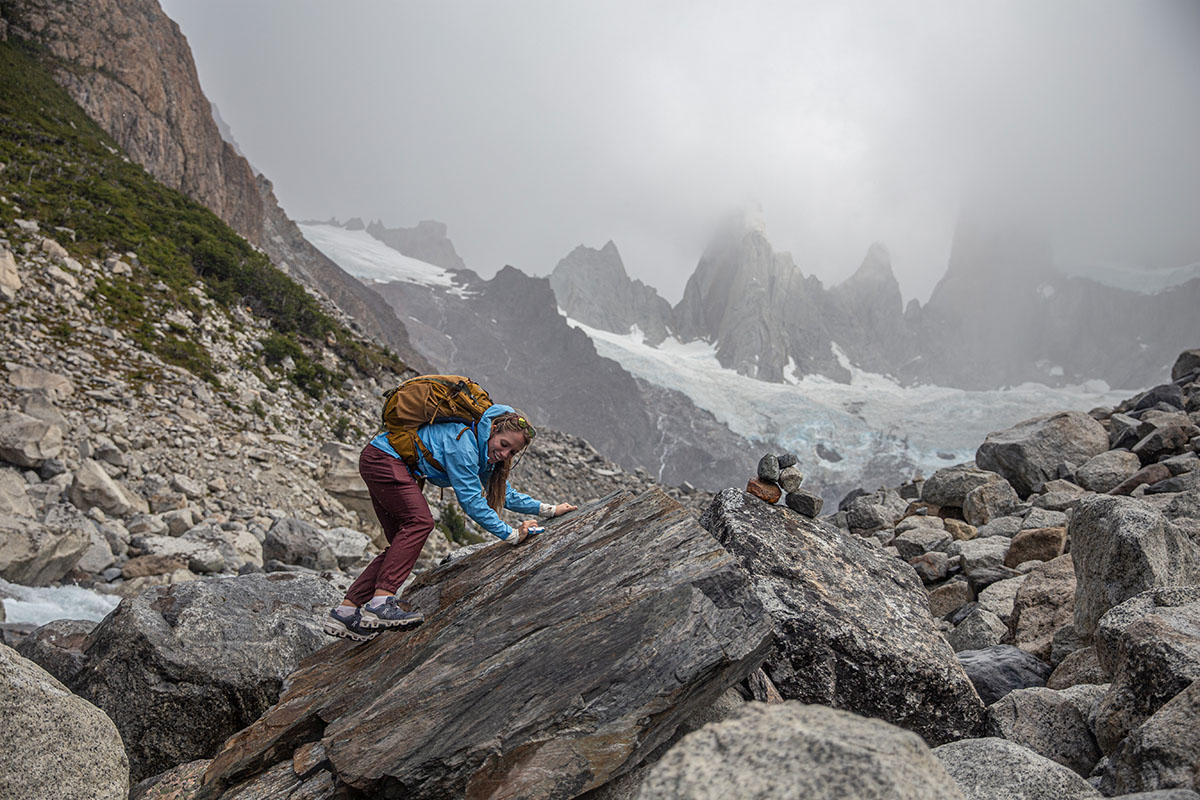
476, 464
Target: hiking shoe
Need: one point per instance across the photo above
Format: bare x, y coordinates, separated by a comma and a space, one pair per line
392, 614
348, 627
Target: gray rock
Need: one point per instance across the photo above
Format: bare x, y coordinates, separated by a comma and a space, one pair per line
1000, 526
1162, 753
1048, 723
563, 688
978, 630
975, 554
349, 546
853, 626
56, 745
200, 557
34, 379
93, 488
1000, 597
38, 554
1104, 472
951, 485
27, 441
1158, 656
985, 503
1044, 603
919, 541
189, 487
180, 668
293, 541
1187, 363
804, 503
796, 750
790, 479
1043, 518
996, 671
1110, 627
1029, 453
786, 460
991, 768
13, 499
881, 509
768, 468
10, 277
1122, 547
39, 405
57, 646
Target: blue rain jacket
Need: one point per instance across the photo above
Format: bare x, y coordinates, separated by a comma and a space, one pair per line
465, 459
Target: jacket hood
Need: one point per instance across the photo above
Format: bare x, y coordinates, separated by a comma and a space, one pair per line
483, 432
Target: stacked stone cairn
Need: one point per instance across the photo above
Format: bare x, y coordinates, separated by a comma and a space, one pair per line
779, 477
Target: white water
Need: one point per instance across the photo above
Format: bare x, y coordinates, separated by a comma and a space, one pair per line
41, 604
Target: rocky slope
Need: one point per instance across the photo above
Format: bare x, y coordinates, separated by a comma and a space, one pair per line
131, 70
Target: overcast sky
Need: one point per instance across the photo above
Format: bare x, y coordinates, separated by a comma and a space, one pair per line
533, 127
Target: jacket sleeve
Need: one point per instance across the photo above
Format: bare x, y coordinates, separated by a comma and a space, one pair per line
462, 470
521, 503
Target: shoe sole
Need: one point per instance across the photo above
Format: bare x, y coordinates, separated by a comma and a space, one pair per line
342, 632
390, 624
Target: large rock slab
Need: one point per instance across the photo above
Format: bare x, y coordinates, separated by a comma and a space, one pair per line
179, 668
797, 750
27, 441
1029, 452
56, 746
541, 671
1120, 548
854, 627
991, 768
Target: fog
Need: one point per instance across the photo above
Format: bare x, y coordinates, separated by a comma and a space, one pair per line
532, 127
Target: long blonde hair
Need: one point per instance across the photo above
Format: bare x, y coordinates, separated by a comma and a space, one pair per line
497, 485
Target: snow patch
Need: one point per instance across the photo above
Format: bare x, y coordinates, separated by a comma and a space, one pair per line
367, 258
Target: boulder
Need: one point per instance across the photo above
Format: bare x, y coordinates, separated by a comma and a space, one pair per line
1000, 597
1122, 547
790, 479
1146, 476
976, 554
985, 503
978, 630
350, 547
1158, 656
919, 541
1187, 363
33, 379
57, 646
951, 485
237, 546
180, 668
28, 441
1163, 441
10, 277
853, 623
200, 557
56, 745
293, 541
14, 501
1078, 667
1036, 544
1162, 753
870, 512
548, 669
1049, 723
1106, 471
949, 597
797, 750
931, 567
93, 488
1000, 669
991, 768
1029, 453
1006, 526
37, 554
341, 479
1044, 602
1042, 518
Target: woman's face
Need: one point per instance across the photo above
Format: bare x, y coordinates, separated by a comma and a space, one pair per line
505, 444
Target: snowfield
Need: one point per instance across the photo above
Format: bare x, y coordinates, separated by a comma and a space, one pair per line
875, 425
364, 256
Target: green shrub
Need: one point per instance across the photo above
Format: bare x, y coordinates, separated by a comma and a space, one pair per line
454, 525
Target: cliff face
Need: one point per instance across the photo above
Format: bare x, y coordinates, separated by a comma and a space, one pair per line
131, 70
593, 287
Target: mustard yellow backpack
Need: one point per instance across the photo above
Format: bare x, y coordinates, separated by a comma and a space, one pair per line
425, 399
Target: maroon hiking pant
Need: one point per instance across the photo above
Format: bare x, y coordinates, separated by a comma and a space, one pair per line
407, 523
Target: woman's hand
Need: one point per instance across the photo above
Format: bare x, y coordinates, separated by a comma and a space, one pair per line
522, 531
563, 508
